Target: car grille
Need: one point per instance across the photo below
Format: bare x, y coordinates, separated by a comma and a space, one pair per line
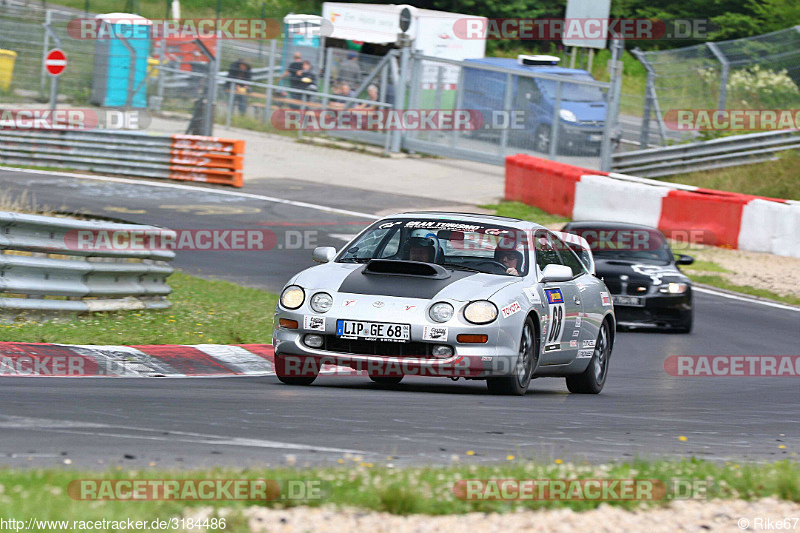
365, 347
592, 123
613, 285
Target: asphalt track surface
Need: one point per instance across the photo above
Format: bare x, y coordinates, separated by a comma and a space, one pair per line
642, 412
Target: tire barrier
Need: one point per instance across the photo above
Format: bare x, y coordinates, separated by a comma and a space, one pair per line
723, 218
176, 157
42, 271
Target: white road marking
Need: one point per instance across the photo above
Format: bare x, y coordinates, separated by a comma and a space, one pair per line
63, 426
745, 299
127, 181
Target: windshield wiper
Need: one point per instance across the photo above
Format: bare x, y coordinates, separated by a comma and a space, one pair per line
355, 260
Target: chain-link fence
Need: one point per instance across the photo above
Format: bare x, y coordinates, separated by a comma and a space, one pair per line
549, 111
761, 72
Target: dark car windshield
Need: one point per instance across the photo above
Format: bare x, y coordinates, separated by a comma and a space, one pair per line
574, 92
638, 244
454, 244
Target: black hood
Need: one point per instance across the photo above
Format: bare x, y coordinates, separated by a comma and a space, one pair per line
637, 271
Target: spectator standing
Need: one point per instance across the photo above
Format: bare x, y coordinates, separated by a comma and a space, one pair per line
350, 70
240, 70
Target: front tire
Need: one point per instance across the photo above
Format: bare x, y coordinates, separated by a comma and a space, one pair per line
592, 380
527, 360
308, 372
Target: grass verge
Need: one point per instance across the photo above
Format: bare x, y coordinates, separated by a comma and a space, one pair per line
43, 493
749, 179
524, 212
203, 312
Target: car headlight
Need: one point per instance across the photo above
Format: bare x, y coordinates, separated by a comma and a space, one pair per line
321, 302
292, 297
567, 115
441, 312
674, 288
480, 312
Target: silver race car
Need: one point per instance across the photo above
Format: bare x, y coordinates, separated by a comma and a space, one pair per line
452, 295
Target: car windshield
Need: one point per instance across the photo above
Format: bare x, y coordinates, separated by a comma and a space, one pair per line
637, 244
454, 244
574, 92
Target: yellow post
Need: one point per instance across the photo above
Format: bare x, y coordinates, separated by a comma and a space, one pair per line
7, 59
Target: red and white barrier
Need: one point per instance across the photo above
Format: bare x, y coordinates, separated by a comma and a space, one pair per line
169, 360
724, 219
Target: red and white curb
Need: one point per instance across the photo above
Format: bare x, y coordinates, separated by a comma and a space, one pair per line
168, 360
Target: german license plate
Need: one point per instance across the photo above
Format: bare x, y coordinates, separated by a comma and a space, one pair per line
595, 138
632, 301
355, 329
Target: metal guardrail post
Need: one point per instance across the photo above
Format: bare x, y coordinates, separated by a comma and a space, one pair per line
556, 123
48, 17
458, 103
211, 95
271, 78
723, 81
400, 95
506, 105
326, 81
612, 109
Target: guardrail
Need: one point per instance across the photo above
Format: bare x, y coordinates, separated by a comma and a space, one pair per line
128, 153
717, 153
43, 269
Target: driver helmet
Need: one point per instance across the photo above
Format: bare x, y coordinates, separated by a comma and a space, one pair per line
422, 238
509, 245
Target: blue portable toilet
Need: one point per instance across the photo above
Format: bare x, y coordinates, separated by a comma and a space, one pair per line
120, 60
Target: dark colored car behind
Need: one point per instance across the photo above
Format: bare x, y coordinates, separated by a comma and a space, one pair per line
641, 271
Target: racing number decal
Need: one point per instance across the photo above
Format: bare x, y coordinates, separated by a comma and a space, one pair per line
555, 301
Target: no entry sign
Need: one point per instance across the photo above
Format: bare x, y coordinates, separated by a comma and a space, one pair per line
55, 62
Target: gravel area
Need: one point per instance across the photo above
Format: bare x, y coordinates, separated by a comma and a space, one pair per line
776, 273
689, 516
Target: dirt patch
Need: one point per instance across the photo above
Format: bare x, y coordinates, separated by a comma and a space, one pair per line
714, 516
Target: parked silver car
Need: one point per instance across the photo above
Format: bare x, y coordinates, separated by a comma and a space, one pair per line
452, 295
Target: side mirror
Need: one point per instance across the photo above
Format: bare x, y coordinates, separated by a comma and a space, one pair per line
323, 254
684, 259
556, 273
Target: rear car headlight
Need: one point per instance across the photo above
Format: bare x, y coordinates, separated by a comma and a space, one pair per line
480, 312
441, 312
292, 297
674, 288
321, 302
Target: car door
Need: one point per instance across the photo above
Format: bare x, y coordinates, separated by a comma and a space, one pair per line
562, 323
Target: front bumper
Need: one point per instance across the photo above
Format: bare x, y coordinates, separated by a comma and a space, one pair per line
496, 357
659, 311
